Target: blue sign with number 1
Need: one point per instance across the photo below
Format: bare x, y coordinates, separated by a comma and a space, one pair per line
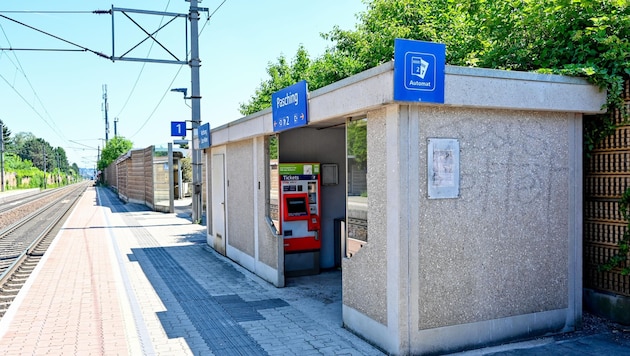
178, 128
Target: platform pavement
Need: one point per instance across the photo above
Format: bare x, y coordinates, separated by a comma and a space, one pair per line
122, 280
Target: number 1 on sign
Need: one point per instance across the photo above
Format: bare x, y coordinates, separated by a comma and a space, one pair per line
178, 128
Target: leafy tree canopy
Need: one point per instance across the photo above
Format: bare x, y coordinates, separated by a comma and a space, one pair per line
6, 135
113, 149
589, 38
36, 150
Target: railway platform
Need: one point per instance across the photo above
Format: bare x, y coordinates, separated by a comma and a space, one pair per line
122, 280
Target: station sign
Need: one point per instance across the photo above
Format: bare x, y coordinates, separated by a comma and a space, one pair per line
419, 71
203, 132
289, 107
178, 128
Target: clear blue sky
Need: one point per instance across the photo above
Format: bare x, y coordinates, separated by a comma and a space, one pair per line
58, 96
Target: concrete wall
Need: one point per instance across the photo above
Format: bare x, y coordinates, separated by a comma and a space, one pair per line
506, 247
269, 245
366, 293
249, 240
509, 230
240, 190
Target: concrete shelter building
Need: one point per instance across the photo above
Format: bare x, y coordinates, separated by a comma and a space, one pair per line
425, 270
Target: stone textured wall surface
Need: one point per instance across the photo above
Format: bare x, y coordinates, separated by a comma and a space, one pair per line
267, 242
240, 211
501, 248
365, 274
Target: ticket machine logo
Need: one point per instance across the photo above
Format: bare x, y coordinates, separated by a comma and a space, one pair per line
419, 67
420, 71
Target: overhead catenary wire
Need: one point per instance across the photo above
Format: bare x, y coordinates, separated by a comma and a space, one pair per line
158, 103
54, 12
19, 67
55, 37
86, 49
32, 107
42, 49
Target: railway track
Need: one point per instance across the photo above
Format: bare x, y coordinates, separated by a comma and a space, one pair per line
24, 242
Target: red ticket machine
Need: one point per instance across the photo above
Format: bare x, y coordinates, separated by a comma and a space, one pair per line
300, 211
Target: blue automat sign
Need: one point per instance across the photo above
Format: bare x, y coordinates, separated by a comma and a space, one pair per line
419, 71
289, 107
178, 128
204, 135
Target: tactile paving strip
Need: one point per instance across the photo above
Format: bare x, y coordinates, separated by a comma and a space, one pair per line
215, 318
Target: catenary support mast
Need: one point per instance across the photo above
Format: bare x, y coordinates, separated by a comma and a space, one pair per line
195, 97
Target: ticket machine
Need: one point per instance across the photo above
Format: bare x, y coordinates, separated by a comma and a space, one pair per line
300, 211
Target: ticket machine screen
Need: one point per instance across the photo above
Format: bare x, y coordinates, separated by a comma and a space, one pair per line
297, 207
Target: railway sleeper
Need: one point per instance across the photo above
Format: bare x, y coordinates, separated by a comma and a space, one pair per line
29, 265
11, 289
21, 274
5, 301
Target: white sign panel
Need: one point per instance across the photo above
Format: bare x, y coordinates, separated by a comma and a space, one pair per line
443, 168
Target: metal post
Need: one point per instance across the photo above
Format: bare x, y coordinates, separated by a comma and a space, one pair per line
2, 155
105, 108
171, 184
196, 109
44, 157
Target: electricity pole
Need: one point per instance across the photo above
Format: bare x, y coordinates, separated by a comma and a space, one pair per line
196, 108
194, 63
105, 108
44, 157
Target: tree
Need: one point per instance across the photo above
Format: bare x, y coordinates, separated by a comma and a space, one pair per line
282, 74
6, 136
113, 149
186, 167
357, 142
38, 151
60, 160
587, 38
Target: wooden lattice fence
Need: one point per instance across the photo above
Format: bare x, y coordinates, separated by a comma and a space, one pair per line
607, 176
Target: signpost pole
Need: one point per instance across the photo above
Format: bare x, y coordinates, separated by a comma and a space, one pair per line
2, 156
196, 109
171, 183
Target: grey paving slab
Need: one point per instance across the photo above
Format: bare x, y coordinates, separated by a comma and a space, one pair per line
216, 307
